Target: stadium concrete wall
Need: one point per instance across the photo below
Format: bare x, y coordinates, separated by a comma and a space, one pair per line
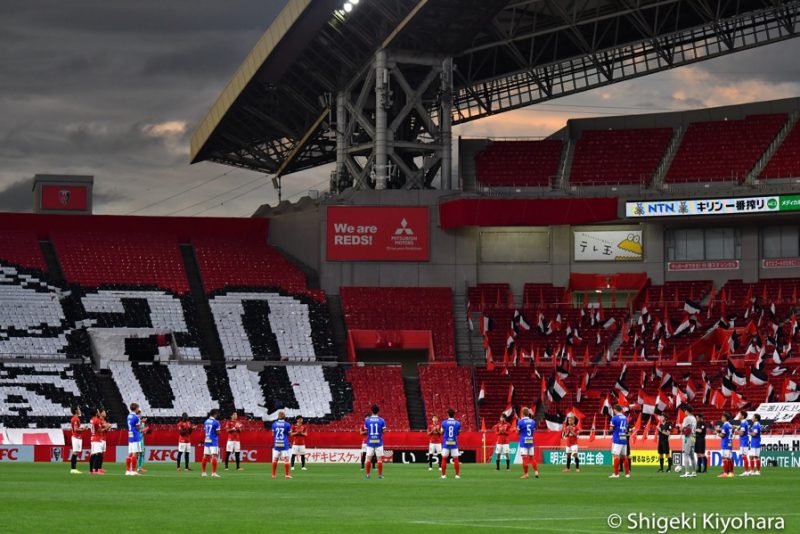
470, 255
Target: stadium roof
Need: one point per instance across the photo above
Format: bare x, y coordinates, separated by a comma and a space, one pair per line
273, 116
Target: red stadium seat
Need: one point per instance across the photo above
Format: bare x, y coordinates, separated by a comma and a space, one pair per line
519, 163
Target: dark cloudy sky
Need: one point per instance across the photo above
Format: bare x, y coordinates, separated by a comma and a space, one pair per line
115, 89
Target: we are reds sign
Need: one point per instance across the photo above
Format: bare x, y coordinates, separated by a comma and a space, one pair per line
378, 234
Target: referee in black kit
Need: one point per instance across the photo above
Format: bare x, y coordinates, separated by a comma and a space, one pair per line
700, 444
664, 431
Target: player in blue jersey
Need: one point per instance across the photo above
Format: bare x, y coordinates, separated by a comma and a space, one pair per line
755, 445
280, 444
134, 425
375, 427
527, 428
744, 441
619, 442
450, 430
725, 433
211, 443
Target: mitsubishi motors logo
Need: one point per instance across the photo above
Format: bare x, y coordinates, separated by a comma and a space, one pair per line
64, 196
404, 237
404, 229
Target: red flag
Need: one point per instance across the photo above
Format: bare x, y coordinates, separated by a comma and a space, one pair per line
635, 428
647, 428
483, 425
543, 392
578, 414
718, 399
592, 434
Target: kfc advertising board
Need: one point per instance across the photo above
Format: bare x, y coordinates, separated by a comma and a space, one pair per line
391, 233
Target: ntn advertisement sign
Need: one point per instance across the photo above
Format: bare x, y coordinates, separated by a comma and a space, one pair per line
639, 209
386, 233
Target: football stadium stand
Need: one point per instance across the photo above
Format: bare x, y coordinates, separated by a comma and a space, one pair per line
519, 163
625, 157
735, 145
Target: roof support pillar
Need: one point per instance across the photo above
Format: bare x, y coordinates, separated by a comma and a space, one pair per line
341, 140
446, 123
381, 120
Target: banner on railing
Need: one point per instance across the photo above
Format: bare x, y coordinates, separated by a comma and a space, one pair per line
778, 412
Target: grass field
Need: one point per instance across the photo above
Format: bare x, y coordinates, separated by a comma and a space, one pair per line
326, 498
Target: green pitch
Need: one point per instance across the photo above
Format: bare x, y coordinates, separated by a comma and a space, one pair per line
46, 498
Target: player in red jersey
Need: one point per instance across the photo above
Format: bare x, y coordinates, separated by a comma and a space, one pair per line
99, 426
434, 442
298, 435
184, 439
77, 440
234, 445
501, 431
571, 430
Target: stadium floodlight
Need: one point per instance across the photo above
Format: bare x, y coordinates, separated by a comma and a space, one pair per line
348, 7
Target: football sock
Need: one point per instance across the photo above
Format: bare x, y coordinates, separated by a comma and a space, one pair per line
179, 459
569, 461
444, 466
363, 459
74, 461
508, 463
292, 460
661, 462
498, 463
227, 458
616, 465
380, 468
758, 464
302, 460
577, 463
274, 467
627, 465
100, 461
213, 465
141, 459
369, 467
285, 468
238, 459
525, 464
204, 463
187, 460
92, 462
669, 463
457, 465
745, 464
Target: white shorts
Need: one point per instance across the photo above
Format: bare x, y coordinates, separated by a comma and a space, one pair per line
571, 449
97, 447
726, 453
298, 450
134, 447
375, 451
754, 452
450, 453
502, 448
363, 447
744, 451
77, 445
526, 451
280, 455
210, 451
233, 446
619, 449
184, 447
434, 448
104, 445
